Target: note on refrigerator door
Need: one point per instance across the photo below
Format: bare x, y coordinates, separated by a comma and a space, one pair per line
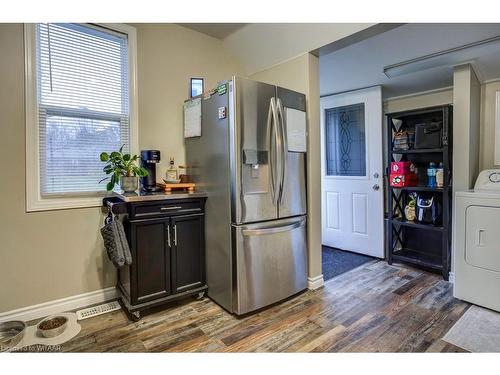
296, 130
192, 118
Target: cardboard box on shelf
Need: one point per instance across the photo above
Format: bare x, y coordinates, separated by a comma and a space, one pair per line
403, 180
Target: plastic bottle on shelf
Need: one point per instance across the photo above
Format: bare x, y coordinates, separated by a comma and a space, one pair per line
431, 175
440, 175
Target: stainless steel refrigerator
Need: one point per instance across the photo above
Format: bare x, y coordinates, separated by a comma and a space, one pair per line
251, 160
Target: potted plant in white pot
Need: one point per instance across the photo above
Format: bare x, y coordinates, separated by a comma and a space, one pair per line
123, 169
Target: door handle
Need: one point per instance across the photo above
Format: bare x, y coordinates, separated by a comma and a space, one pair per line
170, 208
270, 126
277, 146
175, 235
168, 235
376, 187
479, 239
284, 149
272, 230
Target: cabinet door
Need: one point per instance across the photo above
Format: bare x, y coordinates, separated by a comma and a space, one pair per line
188, 252
151, 260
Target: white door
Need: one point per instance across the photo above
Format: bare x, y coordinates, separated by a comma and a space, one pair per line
352, 174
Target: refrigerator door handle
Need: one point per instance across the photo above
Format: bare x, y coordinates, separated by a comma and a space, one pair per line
271, 161
284, 149
275, 163
272, 230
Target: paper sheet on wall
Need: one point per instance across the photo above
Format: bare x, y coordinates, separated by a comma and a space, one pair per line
192, 118
296, 130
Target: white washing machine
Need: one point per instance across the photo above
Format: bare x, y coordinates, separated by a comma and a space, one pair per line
477, 242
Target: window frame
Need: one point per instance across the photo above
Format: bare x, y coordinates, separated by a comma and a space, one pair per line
191, 79
34, 199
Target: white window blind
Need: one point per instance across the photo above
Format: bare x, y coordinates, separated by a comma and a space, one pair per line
83, 104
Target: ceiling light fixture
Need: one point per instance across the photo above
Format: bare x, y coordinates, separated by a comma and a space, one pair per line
449, 57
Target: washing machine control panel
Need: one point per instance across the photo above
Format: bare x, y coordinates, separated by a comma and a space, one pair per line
488, 180
494, 177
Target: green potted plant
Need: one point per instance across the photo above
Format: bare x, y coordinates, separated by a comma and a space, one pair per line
122, 168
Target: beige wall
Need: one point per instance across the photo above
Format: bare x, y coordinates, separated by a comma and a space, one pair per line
466, 134
291, 74
302, 74
488, 105
56, 254
475, 128
420, 100
466, 125
167, 56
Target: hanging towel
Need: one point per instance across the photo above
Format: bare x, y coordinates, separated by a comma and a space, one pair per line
123, 239
113, 244
116, 243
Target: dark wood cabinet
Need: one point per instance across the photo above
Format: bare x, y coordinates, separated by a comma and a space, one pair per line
188, 258
152, 255
167, 242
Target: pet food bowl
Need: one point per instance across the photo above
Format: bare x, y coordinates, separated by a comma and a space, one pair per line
11, 334
52, 326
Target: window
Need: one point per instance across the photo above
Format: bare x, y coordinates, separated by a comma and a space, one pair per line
80, 102
196, 87
345, 141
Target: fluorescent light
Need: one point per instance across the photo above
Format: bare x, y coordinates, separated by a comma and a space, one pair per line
449, 57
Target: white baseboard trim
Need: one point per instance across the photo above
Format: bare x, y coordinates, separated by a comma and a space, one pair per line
451, 277
315, 282
60, 305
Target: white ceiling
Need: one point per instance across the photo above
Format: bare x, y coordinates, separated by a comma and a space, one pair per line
361, 64
259, 46
216, 30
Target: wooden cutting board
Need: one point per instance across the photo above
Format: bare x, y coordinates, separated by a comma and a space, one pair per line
189, 186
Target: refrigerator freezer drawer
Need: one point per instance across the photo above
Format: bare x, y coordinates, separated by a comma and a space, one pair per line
271, 262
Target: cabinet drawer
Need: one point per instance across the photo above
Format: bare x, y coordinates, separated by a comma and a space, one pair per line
166, 208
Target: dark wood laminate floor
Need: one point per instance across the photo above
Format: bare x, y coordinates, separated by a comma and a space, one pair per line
373, 308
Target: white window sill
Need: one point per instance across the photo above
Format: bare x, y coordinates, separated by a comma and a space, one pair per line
59, 203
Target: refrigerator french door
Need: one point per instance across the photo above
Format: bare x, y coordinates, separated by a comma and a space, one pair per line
269, 180
251, 162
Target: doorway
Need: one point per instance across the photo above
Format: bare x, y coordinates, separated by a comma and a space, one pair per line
352, 172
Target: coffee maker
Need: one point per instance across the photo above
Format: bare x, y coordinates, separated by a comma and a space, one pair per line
149, 159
